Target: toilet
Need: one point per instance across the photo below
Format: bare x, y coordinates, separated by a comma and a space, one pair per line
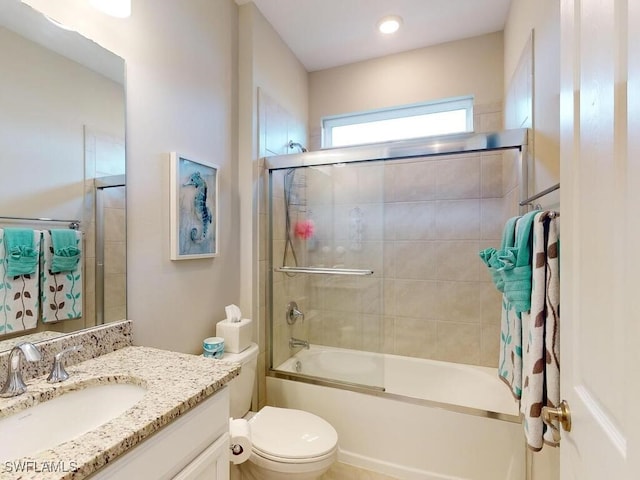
286, 443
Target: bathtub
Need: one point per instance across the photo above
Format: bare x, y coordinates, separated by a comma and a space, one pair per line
421, 420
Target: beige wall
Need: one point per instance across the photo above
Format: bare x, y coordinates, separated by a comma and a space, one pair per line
47, 99
265, 63
273, 100
543, 17
181, 96
466, 67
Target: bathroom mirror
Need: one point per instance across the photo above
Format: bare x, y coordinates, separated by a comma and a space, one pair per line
62, 153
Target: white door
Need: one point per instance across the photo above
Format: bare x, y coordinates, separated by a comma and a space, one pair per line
600, 240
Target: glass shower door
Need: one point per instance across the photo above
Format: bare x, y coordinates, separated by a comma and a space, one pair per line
327, 227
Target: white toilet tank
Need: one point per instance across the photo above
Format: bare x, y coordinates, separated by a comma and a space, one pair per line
241, 387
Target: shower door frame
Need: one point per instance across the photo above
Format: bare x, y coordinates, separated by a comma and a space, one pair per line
100, 183
515, 139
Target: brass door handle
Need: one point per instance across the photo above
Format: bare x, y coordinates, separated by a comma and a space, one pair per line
560, 414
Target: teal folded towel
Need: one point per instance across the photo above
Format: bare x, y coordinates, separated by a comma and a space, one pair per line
516, 266
66, 253
20, 252
490, 255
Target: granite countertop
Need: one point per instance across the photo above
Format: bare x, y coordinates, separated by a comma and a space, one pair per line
175, 383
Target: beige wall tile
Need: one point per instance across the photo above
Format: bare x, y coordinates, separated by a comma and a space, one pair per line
409, 182
345, 184
115, 225
344, 331
457, 260
415, 337
510, 170
492, 217
372, 295
115, 292
410, 221
89, 279
389, 296
490, 345
424, 223
417, 260
373, 333
114, 197
457, 302
112, 314
416, 298
458, 219
491, 171
490, 304
115, 257
371, 183
458, 177
458, 342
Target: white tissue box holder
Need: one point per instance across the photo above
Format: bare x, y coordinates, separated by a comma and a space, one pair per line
237, 335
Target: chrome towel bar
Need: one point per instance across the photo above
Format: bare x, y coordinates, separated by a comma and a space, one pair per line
323, 270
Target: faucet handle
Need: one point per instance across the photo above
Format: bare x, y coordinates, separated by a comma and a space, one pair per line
58, 373
293, 313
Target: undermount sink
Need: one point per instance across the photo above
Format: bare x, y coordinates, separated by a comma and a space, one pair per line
63, 418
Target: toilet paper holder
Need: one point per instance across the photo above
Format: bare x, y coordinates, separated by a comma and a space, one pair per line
236, 449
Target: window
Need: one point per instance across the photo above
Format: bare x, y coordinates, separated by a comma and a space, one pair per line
421, 120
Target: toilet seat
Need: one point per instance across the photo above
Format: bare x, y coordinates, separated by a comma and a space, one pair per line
292, 436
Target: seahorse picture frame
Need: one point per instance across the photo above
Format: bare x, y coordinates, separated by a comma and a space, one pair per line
194, 208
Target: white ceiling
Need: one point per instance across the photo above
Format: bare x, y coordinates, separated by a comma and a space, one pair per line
328, 33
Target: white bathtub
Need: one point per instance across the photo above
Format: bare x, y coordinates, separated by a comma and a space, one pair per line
434, 421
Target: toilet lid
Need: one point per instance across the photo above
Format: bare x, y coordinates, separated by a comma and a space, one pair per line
293, 434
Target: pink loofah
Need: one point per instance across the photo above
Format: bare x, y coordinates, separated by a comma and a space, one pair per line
304, 229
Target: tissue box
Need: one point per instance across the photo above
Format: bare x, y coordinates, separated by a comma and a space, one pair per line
237, 335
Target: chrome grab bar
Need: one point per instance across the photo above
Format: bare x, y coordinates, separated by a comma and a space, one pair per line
324, 270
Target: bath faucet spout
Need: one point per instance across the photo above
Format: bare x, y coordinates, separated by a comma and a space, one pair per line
15, 384
296, 342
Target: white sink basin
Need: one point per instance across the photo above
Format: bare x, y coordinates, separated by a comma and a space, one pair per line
64, 418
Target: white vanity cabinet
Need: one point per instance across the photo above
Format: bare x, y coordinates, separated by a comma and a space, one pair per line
193, 447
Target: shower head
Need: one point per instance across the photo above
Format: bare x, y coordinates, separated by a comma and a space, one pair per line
293, 144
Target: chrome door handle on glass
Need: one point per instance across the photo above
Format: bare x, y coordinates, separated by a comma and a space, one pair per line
15, 384
58, 373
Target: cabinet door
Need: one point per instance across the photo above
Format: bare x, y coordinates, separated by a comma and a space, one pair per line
212, 464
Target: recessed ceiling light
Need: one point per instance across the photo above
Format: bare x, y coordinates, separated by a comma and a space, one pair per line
389, 24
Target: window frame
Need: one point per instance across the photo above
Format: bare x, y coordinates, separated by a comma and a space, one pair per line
404, 111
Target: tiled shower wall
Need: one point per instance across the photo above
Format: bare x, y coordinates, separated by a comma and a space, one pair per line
115, 258
419, 225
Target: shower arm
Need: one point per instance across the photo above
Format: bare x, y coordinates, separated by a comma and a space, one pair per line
293, 145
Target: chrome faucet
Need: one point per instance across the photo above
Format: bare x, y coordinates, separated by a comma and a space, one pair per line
296, 342
58, 373
15, 384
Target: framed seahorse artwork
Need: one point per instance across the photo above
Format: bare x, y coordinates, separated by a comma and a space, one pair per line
194, 208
